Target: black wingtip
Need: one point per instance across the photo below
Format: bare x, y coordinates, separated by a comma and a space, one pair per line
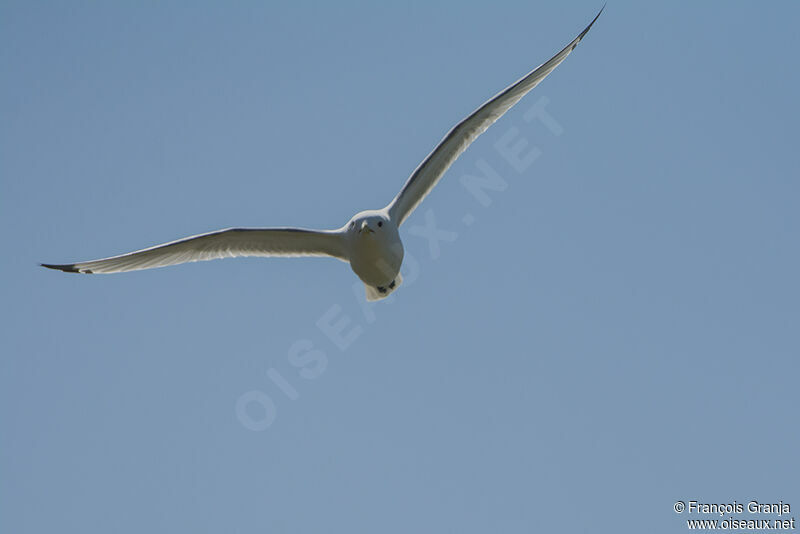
589, 27
67, 268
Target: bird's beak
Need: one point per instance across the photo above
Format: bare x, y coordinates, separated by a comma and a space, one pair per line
365, 227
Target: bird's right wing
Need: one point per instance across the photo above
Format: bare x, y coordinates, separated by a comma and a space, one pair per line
230, 243
425, 177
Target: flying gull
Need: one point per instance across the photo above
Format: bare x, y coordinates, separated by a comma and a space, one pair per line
369, 242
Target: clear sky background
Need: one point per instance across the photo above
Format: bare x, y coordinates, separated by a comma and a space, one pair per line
615, 331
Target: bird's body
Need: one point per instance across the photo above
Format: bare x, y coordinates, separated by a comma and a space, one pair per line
376, 251
370, 242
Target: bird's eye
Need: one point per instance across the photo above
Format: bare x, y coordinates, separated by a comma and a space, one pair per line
380, 223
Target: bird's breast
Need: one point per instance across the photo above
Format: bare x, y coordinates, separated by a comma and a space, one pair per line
376, 261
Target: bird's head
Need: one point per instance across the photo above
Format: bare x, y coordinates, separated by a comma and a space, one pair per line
368, 223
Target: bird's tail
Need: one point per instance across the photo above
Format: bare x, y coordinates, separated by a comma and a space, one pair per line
378, 293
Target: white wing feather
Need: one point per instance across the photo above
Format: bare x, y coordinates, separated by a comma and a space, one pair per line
425, 177
230, 243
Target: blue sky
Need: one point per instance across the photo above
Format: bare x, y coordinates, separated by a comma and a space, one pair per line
615, 331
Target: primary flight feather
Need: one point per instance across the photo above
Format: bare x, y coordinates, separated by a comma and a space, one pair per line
370, 241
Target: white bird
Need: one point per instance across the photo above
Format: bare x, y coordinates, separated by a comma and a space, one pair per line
370, 240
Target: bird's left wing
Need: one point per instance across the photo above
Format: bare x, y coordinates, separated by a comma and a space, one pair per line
425, 177
230, 243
